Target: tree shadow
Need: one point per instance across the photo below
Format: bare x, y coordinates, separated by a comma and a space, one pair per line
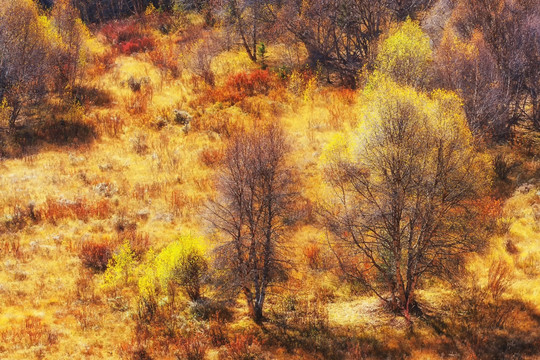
517, 337
334, 342
29, 139
91, 95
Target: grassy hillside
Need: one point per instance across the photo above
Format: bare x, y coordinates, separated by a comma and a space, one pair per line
122, 168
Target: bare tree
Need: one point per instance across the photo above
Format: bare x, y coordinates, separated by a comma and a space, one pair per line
255, 190
339, 34
251, 20
402, 207
402, 9
511, 32
103, 10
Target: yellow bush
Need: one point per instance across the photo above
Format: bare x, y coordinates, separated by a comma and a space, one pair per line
182, 263
120, 267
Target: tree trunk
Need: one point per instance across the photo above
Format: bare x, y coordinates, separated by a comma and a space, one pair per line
250, 303
258, 312
14, 115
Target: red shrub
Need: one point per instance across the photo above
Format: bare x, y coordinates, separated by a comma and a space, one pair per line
313, 256
132, 46
96, 255
127, 37
118, 32
242, 85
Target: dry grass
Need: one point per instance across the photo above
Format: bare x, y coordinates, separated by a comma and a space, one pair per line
66, 210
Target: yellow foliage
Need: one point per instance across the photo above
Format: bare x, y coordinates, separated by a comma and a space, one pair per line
120, 267
406, 55
150, 9
160, 271
338, 149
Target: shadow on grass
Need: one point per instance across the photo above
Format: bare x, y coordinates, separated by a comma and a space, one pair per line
29, 139
516, 338
325, 342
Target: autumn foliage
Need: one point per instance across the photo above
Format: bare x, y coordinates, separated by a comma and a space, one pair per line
345, 179
245, 84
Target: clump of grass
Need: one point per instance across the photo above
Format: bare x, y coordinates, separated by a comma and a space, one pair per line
95, 255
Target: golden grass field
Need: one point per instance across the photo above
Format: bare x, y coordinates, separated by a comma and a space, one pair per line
149, 183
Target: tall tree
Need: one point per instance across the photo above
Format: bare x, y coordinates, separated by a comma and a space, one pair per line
510, 31
402, 204
251, 21
338, 34
255, 189
403, 9
70, 58
405, 55
26, 44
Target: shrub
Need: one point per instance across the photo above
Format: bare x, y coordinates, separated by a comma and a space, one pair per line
96, 255
502, 167
242, 347
206, 309
142, 44
217, 332
139, 143
308, 317
211, 157
84, 287
481, 310
127, 37
118, 32
19, 217
192, 348
166, 59
242, 85
139, 242
313, 256
181, 264
102, 63
120, 266
56, 209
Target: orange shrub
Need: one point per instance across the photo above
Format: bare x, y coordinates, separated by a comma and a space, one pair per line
242, 85
313, 256
243, 346
166, 59
211, 157
32, 333
54, 210
102, 63
139, 242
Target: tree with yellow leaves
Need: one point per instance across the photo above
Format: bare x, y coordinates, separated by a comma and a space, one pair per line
25, 50
402, 205
71, 55
405, 55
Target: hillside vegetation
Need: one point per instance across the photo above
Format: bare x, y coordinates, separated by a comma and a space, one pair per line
235, 180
